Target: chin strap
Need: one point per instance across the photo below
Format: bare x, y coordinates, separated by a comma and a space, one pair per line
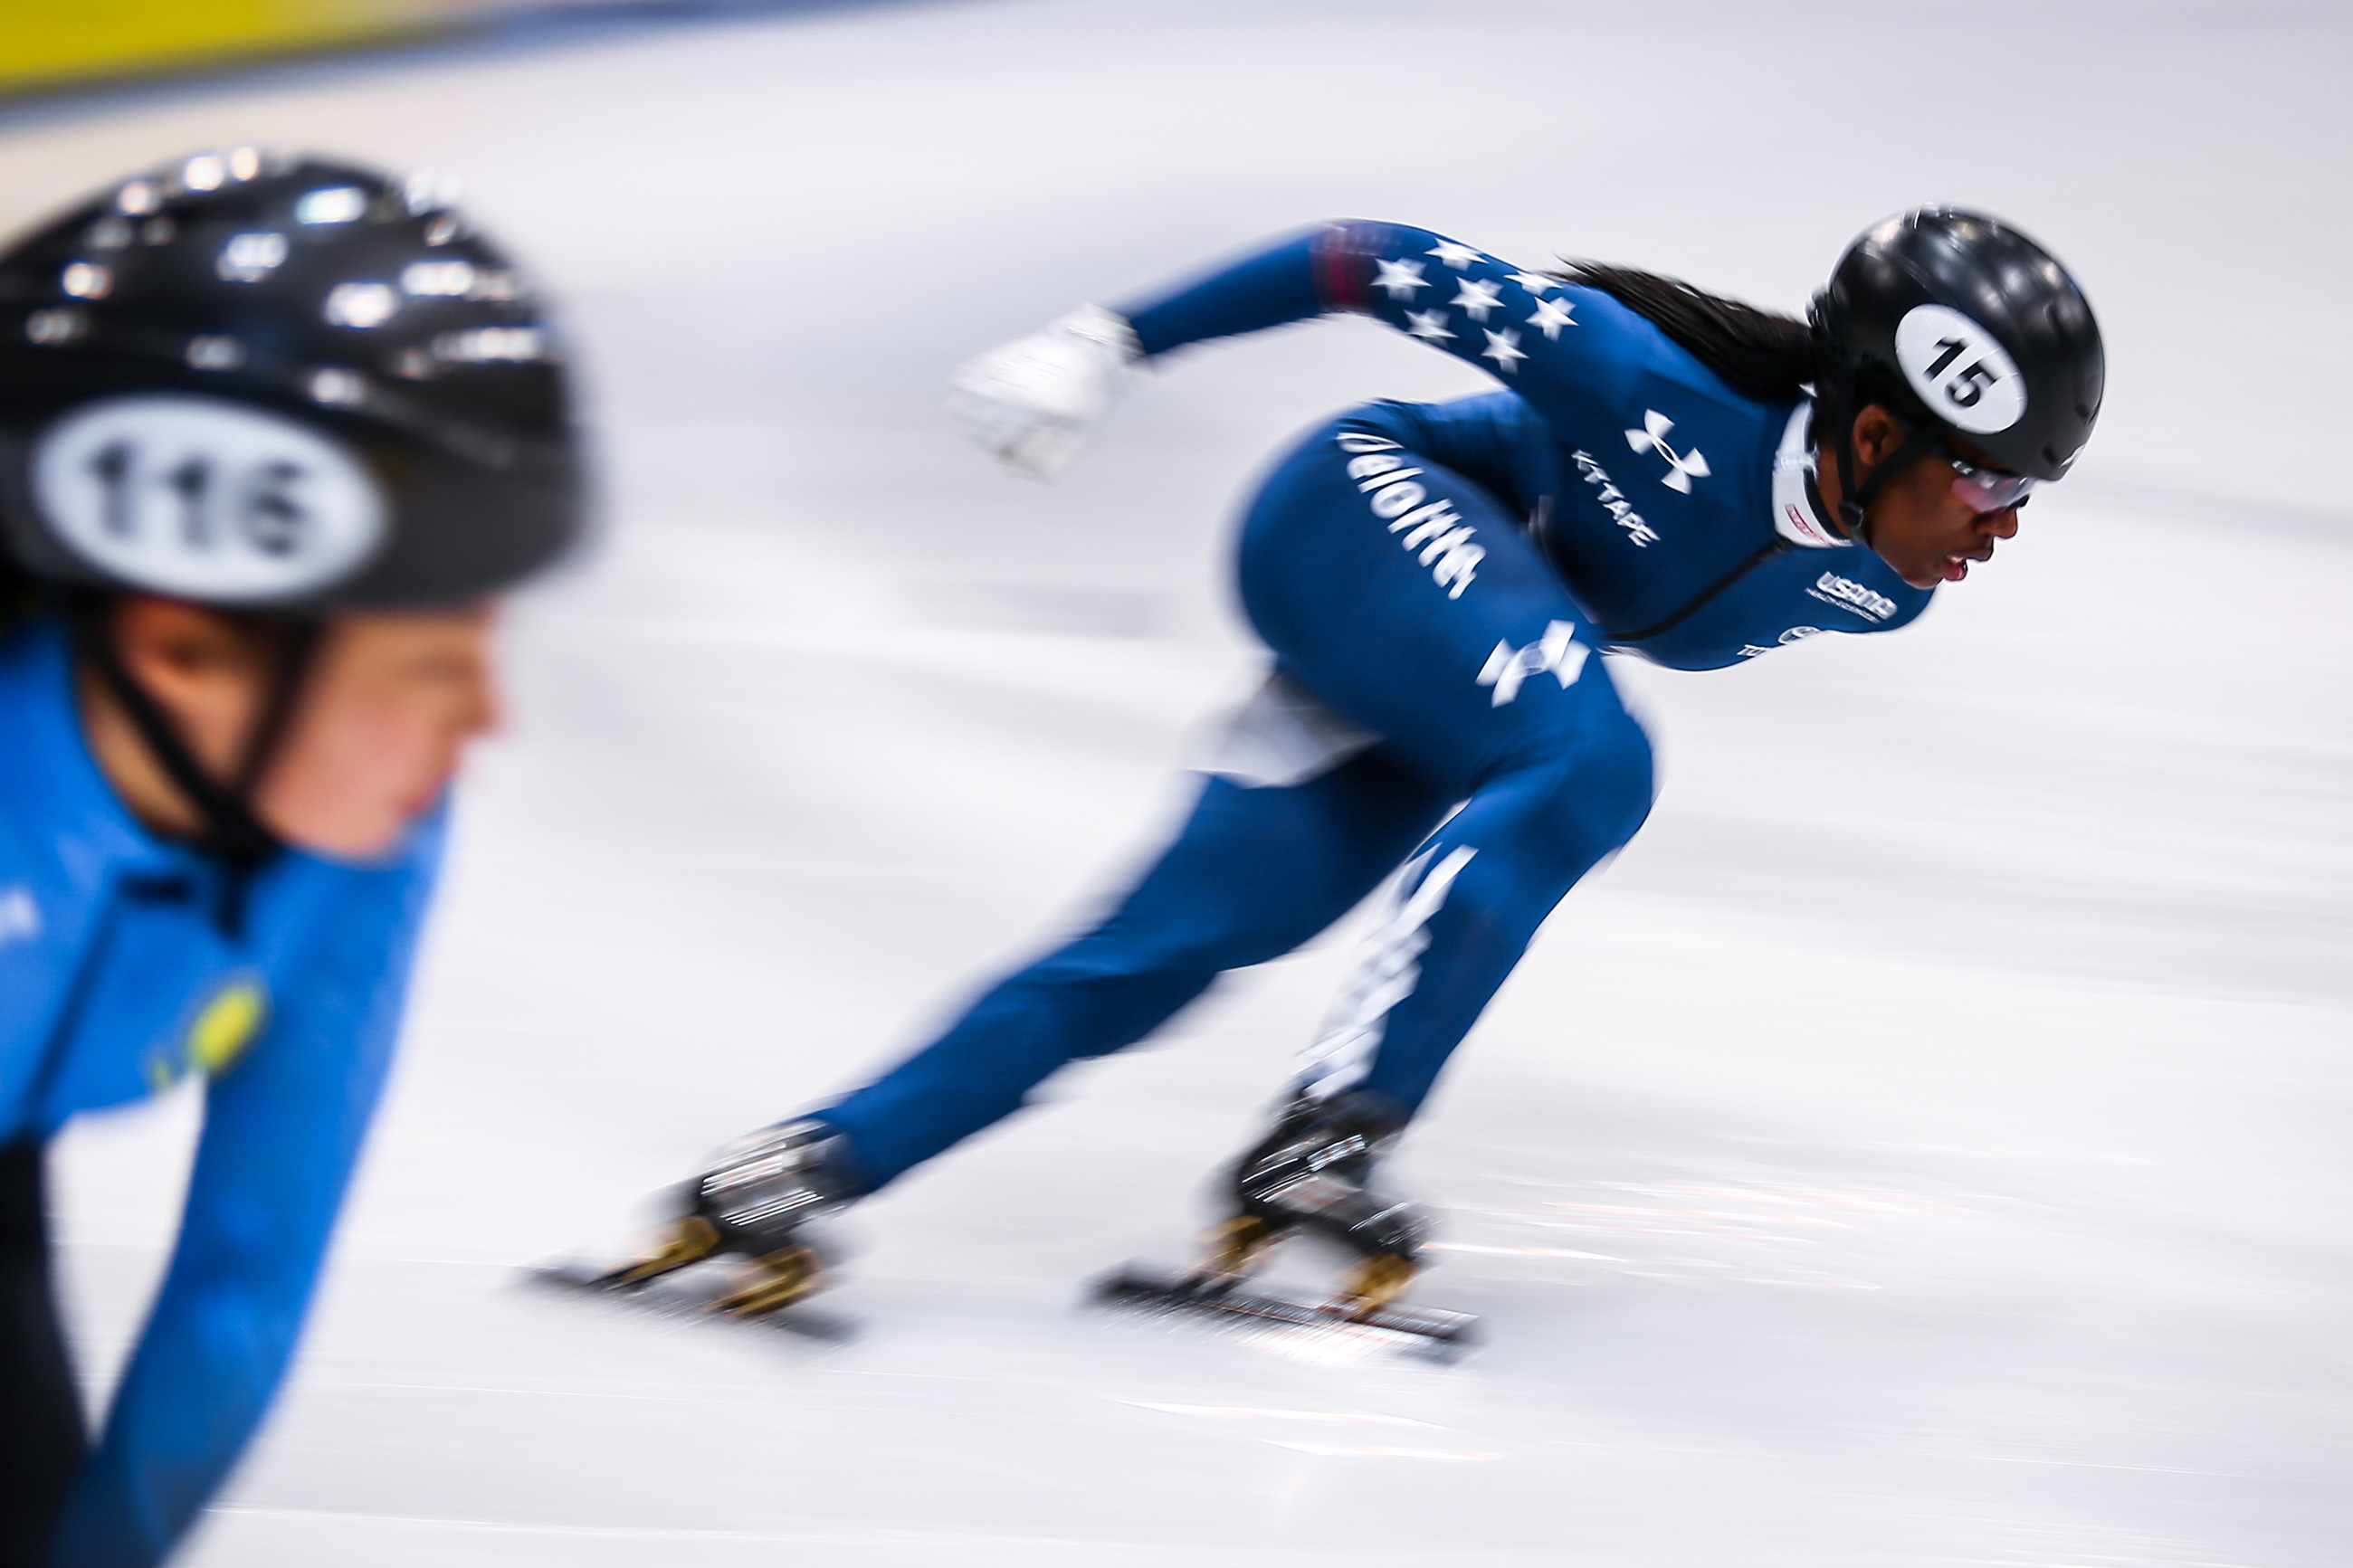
287, 678
1854, 503
232, 834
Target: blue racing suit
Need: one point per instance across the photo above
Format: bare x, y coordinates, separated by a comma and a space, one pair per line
1432, 581
116, 982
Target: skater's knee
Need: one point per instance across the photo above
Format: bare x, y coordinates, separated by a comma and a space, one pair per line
1624, 777
1585, 798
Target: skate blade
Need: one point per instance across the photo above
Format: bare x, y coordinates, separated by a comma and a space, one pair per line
1310, 1331
672, 1299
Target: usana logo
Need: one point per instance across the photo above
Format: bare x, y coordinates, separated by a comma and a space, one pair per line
1849, 595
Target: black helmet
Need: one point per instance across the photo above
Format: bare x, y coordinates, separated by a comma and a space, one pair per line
258, 381
287, 384
1958, 323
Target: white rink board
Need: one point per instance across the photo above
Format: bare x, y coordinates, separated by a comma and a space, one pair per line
1924, 1147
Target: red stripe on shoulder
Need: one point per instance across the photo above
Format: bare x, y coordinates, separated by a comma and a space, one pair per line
1343, 271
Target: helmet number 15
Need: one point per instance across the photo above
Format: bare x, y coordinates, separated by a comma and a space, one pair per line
1965, 388
206, 498
1959, 369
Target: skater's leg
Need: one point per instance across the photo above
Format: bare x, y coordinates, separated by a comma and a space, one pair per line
1254, 873
1479, 676
1460, 663
41, 1434
1472, 898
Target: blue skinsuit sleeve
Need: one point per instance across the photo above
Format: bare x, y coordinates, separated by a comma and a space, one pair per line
282, 1129
1265, 287
1540, 338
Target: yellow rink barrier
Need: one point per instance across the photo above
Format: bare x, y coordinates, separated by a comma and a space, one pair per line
48, 43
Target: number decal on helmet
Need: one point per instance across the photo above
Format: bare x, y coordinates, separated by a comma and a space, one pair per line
201, 497
1959, 369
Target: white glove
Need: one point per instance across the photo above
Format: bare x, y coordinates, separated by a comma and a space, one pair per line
1032, 401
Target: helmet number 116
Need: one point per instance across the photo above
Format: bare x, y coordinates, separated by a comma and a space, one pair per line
192, 495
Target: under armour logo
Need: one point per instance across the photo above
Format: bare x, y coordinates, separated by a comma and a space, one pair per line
1681, 468
1558, 653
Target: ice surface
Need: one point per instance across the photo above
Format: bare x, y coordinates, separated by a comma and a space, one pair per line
1925, 1146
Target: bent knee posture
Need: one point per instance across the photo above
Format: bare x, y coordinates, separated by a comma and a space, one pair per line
1469, 687
1483, 681
1469, 903
1253, 873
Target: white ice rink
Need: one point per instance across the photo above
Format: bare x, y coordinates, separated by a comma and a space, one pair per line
1928, 1144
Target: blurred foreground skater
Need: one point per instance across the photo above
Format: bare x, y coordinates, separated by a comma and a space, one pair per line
1664, 473
273, 436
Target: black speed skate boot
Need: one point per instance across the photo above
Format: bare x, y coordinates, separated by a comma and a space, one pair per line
1311, 1174
755, 1203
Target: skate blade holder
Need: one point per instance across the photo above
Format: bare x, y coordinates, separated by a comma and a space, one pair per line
685, 1275
680, 1245
770, 1283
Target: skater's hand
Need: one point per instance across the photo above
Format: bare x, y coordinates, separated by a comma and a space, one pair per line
1032, 401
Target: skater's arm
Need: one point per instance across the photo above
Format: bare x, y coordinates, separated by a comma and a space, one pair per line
283, 1125
1032, 401
1521, 327
1268, 286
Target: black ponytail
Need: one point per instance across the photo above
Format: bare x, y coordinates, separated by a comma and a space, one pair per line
1759, 354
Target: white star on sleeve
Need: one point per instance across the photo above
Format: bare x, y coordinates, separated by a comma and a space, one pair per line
1400, 278
1535, 282
1477, 298
1504, 348
1551, 316
1428, 325
1456, 256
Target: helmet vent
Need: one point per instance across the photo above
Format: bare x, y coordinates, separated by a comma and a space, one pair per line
336, 203
251, 379
55, 328
215, 353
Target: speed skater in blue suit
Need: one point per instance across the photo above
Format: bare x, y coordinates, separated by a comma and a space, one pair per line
1661, 473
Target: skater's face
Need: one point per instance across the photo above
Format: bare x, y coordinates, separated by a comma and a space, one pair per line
383, 719
384, 710
1920, 523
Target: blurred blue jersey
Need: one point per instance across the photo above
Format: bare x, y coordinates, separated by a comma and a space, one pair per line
116, 982
1675, 509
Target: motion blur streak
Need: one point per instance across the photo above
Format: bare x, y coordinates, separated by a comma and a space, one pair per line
1945, 1163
